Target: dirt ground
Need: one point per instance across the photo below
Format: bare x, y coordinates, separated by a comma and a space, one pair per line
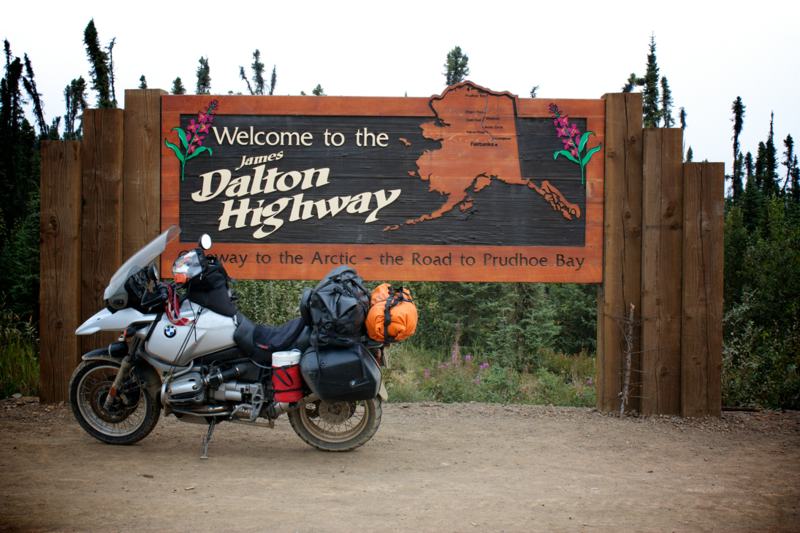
430, 467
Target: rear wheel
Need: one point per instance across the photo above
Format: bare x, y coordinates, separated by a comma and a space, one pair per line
337, 426
131, 417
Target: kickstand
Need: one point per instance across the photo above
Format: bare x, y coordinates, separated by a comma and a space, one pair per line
207, 438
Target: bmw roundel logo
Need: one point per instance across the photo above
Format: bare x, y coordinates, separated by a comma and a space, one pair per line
170, 331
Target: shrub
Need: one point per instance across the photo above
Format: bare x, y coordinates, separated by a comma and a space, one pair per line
19, 352
272, 302
464, 379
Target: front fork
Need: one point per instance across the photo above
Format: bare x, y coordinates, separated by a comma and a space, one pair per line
124, 370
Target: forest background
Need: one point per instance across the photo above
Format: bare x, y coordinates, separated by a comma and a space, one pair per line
498, 342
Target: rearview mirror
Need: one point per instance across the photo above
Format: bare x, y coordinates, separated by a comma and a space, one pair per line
205, 241
152, 272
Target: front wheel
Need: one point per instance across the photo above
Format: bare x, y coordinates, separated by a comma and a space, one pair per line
130, 419
337, 426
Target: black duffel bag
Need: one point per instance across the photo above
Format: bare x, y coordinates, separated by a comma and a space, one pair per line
341, 373
336, 309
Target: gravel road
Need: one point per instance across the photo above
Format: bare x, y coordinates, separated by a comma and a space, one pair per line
431, 467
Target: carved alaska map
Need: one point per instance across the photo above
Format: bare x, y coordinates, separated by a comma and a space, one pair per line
477, 130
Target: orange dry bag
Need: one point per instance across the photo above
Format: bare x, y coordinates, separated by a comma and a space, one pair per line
393, 316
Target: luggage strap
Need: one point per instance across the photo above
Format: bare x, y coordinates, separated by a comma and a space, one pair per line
173, 309
275, 373
396, 297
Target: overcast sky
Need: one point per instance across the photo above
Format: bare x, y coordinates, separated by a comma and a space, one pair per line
711, 52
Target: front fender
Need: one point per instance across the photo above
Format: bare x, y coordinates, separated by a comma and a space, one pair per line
101, 354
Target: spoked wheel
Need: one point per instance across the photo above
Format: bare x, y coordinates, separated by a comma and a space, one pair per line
131, 418
337, 426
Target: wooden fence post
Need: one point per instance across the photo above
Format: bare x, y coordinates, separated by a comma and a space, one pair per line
662, 245
101, 234
703, 257
622, 236
59, 268
142, 169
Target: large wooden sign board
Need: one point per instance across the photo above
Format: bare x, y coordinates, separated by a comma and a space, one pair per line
470, 185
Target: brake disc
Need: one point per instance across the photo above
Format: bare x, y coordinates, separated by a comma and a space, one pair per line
336, 412
97, 397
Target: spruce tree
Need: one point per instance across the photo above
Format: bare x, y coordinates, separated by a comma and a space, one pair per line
29, 82
738, 109
19, 193
243, 76
456, 67
754, 207
177, 86
203, 77
258, 73
666, 103
101, 70
770, 183
259, 83
795, 177
738, 187
75, 98
533, 91
632, 82
318, 91
682, 118
689, 155
789, 160
110, 49
272, 81
143, 82
761, 165
650, 99
748, 164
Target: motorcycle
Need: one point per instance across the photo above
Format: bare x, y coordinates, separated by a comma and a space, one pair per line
186, 350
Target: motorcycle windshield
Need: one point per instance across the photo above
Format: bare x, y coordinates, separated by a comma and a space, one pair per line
139, 260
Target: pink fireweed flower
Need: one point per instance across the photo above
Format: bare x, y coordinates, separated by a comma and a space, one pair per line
564, 121
477, 380
573, 131
426, 373
441, 366
203, 128
192, 126
467, 358
447, 364
198, 140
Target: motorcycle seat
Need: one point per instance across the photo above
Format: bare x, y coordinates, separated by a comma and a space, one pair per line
260, 341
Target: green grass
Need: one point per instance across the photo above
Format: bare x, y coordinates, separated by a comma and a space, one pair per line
19, 357
415, 375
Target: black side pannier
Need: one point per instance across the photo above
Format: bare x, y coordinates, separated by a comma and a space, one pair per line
336, 309
212, 289
341, 374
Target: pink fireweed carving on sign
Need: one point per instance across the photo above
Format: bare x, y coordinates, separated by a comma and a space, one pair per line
193, 142
574, 142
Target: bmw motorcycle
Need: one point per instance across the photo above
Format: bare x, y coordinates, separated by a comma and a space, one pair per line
186, 350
